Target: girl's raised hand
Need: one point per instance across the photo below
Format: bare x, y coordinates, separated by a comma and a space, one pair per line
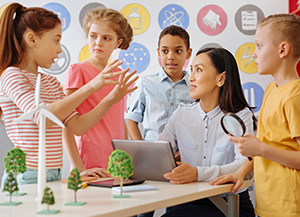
103, 78
123, 87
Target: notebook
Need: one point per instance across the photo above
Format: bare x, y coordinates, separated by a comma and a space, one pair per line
151, 159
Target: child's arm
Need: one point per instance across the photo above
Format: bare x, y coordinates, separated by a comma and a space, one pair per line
133, 130
75, 159
62, 108
237, 177
81, 124
251, 146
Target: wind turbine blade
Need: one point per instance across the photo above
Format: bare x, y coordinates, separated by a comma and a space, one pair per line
37, 90
52, 117
25, 116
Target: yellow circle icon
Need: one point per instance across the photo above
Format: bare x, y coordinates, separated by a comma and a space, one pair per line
3, 8
84, 53
138, 17
244, 58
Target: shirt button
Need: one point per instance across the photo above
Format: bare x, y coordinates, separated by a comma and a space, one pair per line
205, 141
172, 103
204, 157
206, 127
173, 87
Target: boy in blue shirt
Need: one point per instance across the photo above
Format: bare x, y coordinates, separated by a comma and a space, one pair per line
158, 95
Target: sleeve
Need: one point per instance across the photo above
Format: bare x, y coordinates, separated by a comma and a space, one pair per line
138, 104
292, 112
18, 88
169, 133
74, 78
209, 173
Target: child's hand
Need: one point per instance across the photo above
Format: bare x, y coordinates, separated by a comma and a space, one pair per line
102, 78
184, 173
96, 172
248, 145
123, 86
237, 179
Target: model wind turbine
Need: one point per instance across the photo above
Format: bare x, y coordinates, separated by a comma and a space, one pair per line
44, 113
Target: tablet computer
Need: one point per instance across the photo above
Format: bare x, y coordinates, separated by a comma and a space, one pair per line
115, 183
150, 159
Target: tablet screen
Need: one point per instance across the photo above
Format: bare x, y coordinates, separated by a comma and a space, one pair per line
115, 183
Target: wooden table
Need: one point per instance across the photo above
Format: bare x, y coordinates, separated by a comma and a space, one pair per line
100, 202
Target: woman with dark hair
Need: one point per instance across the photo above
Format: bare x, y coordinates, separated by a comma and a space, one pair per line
196, 131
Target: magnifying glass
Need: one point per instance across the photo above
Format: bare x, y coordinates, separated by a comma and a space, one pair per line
233, 125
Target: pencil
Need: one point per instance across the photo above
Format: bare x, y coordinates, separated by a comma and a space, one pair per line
85, 185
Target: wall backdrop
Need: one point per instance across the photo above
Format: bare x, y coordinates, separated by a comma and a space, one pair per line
230, 24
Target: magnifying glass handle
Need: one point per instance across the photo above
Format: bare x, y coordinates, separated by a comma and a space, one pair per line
250, 158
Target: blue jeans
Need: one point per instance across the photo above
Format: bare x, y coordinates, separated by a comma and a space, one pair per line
30, 176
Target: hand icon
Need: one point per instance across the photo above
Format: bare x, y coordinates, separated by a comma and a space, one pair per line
211, 19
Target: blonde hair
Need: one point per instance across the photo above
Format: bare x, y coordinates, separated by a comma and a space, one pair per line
284, 27
114, 19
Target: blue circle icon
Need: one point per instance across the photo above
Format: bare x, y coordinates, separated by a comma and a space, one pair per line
61, 12
136, 57
173, 15
254, 95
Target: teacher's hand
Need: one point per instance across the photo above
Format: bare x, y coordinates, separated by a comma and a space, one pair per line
183, 173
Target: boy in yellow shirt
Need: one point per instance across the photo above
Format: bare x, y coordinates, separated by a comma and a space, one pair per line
276, 150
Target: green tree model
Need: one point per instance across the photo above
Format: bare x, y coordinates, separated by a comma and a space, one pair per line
15, 162
48, 197
10, 185
74, 181
120, 165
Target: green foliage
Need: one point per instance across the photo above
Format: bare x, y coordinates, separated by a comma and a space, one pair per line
10, 184
15, 161
74, 181
48, 197
120, 164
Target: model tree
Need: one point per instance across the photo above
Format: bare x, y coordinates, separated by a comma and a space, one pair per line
75, 183
120, 166
48, 198
11, 186
15, 162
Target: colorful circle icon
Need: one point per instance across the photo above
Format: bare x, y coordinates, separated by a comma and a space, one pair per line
173, 15
136, 57
86, 9
244, 58
61, 63
254, 95
212, 20
61, 12
211, 45
137, 16
246, 19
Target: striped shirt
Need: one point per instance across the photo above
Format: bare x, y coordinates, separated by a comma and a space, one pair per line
18, 89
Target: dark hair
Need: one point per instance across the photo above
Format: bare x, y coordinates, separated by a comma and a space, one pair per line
14, 22
176, 30
114, 19
231, 98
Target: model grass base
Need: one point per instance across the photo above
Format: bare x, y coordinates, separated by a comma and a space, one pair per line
72, 203
121, 196
48, 212
17, 194
10, 203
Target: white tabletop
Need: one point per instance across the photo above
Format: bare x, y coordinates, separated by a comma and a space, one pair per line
100, 202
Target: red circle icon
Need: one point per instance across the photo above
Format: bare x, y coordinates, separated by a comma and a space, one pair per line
212, 20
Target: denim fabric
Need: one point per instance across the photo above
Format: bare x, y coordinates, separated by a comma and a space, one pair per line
30, 176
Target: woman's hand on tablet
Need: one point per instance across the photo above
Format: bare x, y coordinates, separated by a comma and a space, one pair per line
183, 173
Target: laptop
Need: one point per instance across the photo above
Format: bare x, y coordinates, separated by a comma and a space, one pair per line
150, 159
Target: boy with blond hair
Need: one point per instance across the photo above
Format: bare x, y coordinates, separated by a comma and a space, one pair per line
276, 150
